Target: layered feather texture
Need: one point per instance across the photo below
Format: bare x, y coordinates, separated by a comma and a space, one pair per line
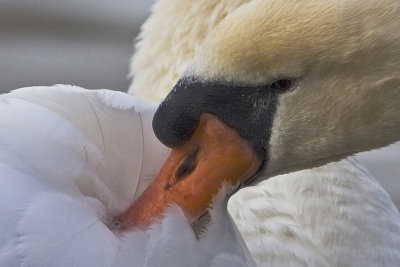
335, 215
70, 160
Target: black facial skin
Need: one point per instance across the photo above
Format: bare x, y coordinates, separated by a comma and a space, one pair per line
249, 110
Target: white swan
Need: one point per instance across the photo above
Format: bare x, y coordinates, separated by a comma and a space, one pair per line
70, 161
28, 229
338, 55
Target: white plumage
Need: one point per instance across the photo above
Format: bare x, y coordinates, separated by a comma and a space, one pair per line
73, 159
335, 215
70, 160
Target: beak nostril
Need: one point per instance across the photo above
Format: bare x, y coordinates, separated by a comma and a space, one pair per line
194, 173
187, 165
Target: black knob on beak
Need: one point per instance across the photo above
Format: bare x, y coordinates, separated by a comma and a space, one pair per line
177, 116
247, 109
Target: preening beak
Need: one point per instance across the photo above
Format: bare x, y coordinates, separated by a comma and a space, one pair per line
194, 172
219, 133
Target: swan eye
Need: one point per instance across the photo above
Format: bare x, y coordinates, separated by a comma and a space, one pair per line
281, 85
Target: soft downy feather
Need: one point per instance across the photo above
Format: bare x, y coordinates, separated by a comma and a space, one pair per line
68, 152
218, 245
70, 160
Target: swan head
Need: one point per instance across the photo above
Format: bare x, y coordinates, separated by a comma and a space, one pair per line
305, 82
300, 83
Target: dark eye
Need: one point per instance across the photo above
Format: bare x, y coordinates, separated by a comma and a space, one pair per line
281, 85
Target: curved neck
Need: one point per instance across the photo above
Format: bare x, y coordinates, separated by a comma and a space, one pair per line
169, 40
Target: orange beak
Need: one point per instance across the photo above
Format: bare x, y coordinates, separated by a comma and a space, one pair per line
194, 172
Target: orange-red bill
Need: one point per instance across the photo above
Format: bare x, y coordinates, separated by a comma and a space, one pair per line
194, 172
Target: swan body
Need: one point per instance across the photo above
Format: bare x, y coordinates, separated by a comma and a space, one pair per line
71, 160
329, 215
334, 215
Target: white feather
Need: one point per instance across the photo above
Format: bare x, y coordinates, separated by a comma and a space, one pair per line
173, 238
63, 230
70, 160
335, 215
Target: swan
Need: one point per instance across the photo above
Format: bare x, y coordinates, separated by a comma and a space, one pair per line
173, 48
71, 161
95, 207
321, 80
240, 54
